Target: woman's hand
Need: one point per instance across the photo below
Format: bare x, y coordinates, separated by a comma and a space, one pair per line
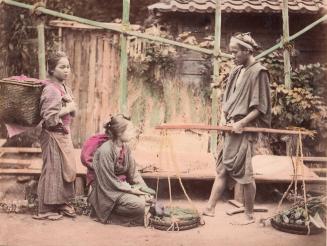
68, 108
71, 106
137, 192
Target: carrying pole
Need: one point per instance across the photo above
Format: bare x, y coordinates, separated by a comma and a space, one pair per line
230, 129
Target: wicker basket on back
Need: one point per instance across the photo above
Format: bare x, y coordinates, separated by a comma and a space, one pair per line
19, 100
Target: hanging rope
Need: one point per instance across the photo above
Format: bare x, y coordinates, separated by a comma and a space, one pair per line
166, 144
300, 146
178, 174
298, 161
294, 177
160, 162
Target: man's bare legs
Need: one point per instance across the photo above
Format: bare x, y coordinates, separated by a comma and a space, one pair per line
216, 193
249, 197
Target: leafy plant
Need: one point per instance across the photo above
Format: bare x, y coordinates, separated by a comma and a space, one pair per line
302, 105
154, 62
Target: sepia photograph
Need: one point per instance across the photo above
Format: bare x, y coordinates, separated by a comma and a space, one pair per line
172, 122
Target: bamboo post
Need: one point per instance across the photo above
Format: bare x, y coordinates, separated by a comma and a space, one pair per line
41, 48
286, 53
216, 91
60, 38
124, 60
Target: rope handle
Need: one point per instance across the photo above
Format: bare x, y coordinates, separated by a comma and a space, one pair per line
171, 159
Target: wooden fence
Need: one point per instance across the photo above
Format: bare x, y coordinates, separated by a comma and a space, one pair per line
95, 72
94, 55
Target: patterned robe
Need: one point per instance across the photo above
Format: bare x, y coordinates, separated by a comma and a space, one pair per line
56, 183
113, 183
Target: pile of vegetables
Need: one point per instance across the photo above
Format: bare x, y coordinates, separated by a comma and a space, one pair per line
313, 213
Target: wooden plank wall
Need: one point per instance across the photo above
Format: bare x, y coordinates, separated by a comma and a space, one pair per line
94, 58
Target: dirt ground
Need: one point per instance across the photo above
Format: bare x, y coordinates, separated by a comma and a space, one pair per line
22, 230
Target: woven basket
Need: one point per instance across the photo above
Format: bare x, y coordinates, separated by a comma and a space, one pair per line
19, 100
295, 229
185, 219
182, 225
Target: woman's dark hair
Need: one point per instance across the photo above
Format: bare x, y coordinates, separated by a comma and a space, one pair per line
53, 60
116, 125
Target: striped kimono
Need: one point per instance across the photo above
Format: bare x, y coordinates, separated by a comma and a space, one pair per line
56, 183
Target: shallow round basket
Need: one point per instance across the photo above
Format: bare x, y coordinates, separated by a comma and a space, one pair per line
179, 226
295, 229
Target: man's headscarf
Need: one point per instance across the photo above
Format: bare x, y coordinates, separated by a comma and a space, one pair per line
245, 40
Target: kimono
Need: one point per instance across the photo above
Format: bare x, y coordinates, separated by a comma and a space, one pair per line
115, 173
241, 96
88, 149
56, 183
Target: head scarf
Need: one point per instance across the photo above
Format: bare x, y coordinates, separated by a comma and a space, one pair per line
245, 40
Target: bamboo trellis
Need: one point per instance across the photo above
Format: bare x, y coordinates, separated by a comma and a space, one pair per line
125, 31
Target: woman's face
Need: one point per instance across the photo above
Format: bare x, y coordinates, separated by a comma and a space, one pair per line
62, 70
240, 56
128, 134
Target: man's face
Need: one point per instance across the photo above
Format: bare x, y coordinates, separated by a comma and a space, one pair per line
240, 56
62, 70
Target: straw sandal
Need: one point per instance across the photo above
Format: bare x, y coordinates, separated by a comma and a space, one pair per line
48, 216
67, 210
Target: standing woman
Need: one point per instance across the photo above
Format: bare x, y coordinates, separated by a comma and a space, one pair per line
118, 189
56, 183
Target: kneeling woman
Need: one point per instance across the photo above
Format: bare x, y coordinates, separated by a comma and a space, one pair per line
114, 196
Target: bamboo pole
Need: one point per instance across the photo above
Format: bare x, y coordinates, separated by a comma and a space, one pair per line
229, 128
41, 48
154, 38
216, 91
292, 37
286, 52
112, 27
124, 60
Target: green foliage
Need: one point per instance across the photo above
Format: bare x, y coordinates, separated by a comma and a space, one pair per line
153, 63
157, 56
303, 104
22, 45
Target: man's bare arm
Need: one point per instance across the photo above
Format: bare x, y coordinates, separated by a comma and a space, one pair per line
237, 126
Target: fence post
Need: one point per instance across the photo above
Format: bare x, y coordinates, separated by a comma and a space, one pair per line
216, 91
124, 60
286, 34
41, 47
